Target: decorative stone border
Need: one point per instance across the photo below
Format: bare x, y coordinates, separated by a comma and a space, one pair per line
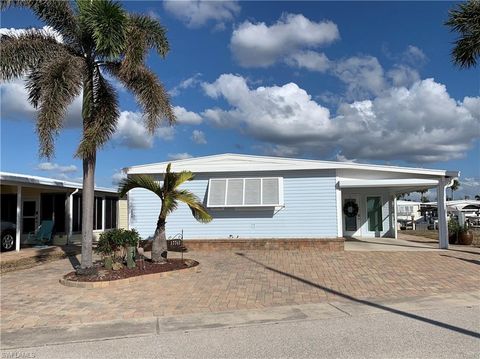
119, 282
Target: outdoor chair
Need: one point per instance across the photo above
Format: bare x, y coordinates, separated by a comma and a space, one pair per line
42, 236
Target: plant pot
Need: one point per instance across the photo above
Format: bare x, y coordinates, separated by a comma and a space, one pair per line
465, 238
131, 257
108, 262
452, 238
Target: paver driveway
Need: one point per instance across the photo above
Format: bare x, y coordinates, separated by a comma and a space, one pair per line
228, 281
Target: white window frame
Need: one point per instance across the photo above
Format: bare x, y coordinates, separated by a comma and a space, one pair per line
225, 205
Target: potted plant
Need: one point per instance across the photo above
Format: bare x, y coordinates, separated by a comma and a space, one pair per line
130, 242
465, 236
453, 229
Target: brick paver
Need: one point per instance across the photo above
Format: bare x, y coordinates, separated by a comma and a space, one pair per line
228, 281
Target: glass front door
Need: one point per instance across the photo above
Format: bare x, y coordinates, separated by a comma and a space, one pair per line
374, 214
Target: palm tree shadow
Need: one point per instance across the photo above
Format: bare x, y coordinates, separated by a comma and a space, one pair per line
473, 261
366, 302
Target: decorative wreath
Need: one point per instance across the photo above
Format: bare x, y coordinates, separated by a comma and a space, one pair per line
350, 208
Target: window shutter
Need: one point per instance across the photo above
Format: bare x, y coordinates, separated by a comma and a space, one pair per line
253, 191
270, 191
216, 192
235, 192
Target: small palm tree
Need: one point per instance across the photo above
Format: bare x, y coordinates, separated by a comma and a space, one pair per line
98, 38
455, 186
464, 19
169, 194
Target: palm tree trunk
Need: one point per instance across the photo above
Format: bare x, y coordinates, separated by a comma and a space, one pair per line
159, 245
88, 195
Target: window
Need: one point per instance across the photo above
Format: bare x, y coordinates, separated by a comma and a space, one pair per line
110, 212
245, 192
52, 207
8, 209
97, 212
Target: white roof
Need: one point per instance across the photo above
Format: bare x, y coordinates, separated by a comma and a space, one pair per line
230, 162
16, 178
459, 205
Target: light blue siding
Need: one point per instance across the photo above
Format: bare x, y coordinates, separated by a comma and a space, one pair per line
310, 210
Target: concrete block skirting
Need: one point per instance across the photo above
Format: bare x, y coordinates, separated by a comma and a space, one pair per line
119, 282
320, 244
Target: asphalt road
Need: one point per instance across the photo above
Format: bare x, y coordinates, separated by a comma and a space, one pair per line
446, 333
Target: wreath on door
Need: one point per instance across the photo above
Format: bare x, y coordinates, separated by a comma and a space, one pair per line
350, 208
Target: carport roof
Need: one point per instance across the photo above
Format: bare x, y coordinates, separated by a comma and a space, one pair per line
8, 178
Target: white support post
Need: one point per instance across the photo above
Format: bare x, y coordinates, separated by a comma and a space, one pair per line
395, 222
338, 194
70, 216
442, 213
103, 213
18, 233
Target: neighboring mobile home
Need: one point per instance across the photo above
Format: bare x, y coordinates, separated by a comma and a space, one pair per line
27, 200
262, 197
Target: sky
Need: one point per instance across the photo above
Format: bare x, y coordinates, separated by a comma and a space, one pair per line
370, 82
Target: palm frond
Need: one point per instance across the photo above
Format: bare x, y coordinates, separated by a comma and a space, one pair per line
193, 202
57, 14
139, 181
103, 117
21, 52
106, 21
143, 33
464, 19
149, 92
59, 81
169, 204
182, 177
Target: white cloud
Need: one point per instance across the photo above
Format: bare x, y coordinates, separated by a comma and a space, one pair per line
311, 60
199, 137
363, 76
260, 45
185, 84
55, 167
196, 13
469, 186
14, 105
186, 117
131, 131
118, 176
412, 124
414, 55
179, 156
402, 75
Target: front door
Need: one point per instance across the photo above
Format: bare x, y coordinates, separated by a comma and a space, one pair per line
29, 215
374, 225
351, 215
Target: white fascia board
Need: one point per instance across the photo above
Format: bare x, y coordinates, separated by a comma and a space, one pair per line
408, 182
249, 163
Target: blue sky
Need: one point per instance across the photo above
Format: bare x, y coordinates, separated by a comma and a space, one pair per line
365, 81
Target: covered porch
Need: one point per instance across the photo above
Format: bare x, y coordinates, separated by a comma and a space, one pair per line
28, 201
367, 208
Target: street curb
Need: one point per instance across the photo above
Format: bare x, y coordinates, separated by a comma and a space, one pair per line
42, 336
119, 282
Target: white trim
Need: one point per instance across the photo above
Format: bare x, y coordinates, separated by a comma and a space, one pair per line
229, 162
338, 198
374, 183
395, 224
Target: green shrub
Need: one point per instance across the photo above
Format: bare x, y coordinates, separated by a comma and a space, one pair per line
130, 238
453, 226
110, 242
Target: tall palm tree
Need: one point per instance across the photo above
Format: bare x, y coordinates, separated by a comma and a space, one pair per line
464, 19
455, 186
170, 195
98, 38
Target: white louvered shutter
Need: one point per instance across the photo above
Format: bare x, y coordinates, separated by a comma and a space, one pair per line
235, 192
216, 192
253, 192
270, 191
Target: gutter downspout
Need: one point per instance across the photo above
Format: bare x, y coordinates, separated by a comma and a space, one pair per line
70, 210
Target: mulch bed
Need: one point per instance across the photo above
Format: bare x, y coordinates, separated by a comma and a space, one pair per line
150, 268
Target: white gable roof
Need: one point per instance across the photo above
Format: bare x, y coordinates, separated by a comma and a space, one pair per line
230, 162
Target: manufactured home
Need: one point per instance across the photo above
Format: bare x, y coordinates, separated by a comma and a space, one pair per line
27, 201
259, 197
